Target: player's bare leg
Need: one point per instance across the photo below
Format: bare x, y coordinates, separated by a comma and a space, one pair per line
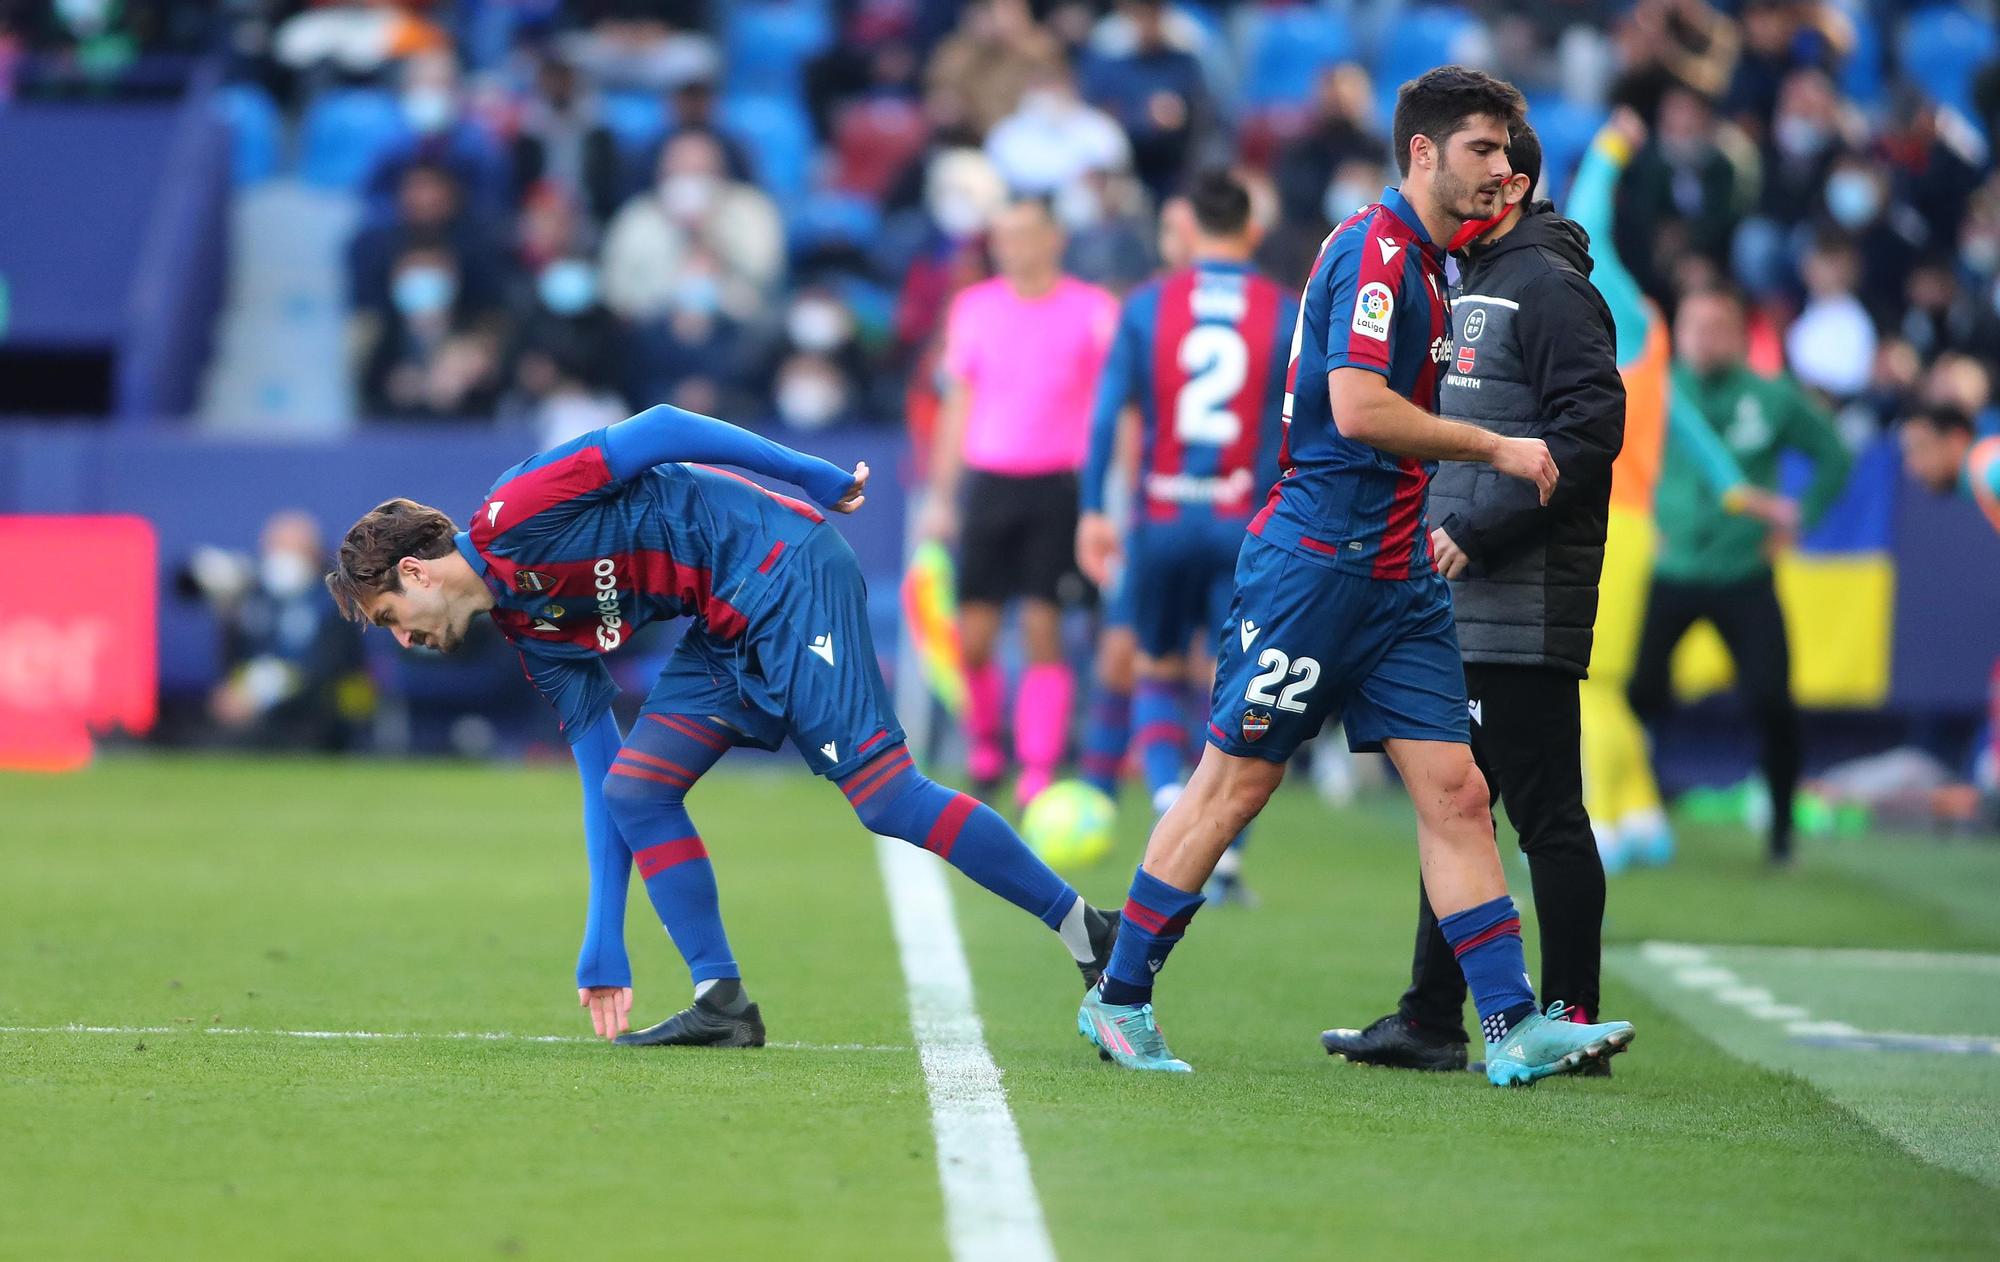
1455, 846
1043, 703
1225, 793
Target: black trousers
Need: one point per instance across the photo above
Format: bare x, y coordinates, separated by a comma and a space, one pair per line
1527, 739
1753, 627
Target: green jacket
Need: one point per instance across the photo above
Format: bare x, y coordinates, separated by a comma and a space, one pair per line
1757, 418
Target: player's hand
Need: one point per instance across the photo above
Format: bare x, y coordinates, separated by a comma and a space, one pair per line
1529, 460
1451, 559
610, 1008
854, 498
1096, 547
1779, 512
939, 522
1628, 123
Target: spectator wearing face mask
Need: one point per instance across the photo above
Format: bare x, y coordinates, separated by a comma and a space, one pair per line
693, 206
1831, 345
996, 53
429, 210
437, 355
561, 142
1683, 195
1054, 139
1157, 93
1340, 132
439, 131
561, 374
690, 353
293, 676
1889, 236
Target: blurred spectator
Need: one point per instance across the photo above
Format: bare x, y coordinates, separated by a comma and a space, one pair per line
560, 140
429, 211
1682, 196
1855, 198
1935, 164
1667, 44
1779, 38
357, 38
693, 206
817, 355
689, 353
436, 355
1109, 219
1939, 316
962, 191
996, 54
640, 45
1340, 131
691, 107
1054, 139
560, 368
292, 666
1831, 346
441, 133
873, 61
1156, 92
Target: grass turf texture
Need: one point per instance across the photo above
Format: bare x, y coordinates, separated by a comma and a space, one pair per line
363, 896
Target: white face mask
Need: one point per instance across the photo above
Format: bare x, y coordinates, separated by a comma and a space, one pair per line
284, 574
428, 110
809, 400
815, 324
1344, 197
1078, 206
958, 215
688, 196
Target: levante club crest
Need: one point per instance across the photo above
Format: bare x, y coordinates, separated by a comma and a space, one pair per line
1255, 724
532, 581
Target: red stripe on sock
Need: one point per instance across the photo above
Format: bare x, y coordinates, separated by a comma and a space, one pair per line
654, 860
640, 773
1510, 925
1144, 917
944, 833
690, 728
870, 779
661, 764
872, 741
1165, 730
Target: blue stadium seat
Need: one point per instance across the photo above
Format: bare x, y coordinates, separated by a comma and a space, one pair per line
345, 132
255, 131
1566, 130
1420, 39
778, 135
1861, 75
1942, 48
832, 219
1287, 50
767, 41
636, 119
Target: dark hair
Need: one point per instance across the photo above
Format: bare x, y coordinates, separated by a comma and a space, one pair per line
1524, 154
1220, 203
1716, 289
1437, 103
1043, 202
1945, 418
387, 533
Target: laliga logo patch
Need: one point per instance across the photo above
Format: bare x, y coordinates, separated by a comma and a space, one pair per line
1372, 308
1255, 724
553, 611
532, 581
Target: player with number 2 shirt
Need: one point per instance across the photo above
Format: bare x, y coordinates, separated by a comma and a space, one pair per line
1338, 608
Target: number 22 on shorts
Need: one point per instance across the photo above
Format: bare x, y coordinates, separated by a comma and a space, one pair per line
1277, 665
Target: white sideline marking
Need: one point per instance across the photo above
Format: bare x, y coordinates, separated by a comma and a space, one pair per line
991, 1211
1693, 968
458, 1035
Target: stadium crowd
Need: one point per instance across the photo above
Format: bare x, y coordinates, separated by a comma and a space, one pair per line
762, 209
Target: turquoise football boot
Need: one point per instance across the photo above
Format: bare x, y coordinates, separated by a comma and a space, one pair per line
1545, 1044
1127, 1035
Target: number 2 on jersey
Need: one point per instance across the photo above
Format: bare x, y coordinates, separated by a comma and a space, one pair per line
1277, 665
1216, 362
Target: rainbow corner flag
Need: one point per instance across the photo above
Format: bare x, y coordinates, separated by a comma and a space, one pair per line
930, 606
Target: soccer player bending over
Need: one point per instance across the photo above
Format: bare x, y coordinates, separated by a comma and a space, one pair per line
1339, 608
577, 548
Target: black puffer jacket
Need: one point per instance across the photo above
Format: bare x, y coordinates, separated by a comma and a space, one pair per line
1534, 357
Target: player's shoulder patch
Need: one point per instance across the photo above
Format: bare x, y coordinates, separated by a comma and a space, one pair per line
1374, 306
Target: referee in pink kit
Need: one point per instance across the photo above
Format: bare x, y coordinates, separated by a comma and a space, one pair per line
1022, 356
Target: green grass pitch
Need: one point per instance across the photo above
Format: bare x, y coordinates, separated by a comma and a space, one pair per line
179, 896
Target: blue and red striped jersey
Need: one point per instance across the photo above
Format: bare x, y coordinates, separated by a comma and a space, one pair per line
1202, 352
1376, 300
579, 559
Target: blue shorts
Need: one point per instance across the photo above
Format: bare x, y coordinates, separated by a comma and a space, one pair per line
806, 667
1306, 643
1182, 578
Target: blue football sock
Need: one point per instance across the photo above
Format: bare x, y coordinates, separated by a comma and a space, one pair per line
1156, 916
1161, 732
1107, 730
646, 793
895, 799
1487, 941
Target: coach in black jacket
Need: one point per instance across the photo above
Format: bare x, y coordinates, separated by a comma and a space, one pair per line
1534, 356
